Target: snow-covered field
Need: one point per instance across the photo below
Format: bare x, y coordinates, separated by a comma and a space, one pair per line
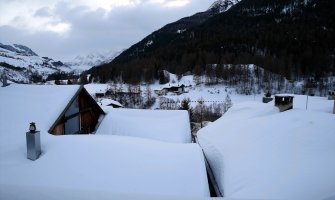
88, 166
256, 152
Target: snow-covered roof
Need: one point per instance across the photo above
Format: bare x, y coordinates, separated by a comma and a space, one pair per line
107, 102
87, 166
22, 104
256, 152
163, 125
96, 88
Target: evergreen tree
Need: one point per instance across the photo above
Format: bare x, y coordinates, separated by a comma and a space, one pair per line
185, 104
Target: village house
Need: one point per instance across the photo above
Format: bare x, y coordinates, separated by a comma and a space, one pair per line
173, 89
110, 102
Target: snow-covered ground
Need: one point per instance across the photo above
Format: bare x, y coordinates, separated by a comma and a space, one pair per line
87, 166
167, 126
209, 93
256, 152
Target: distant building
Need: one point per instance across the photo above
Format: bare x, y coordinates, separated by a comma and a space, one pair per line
110, 102
100, 94
284, 102
331, 95
177, 89
174, 89
161, 92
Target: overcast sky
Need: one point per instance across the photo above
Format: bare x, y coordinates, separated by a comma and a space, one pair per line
62, 29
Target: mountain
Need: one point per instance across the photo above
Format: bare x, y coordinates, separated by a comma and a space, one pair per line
169, 32
84, 62
21, 64
294, 38
221, 6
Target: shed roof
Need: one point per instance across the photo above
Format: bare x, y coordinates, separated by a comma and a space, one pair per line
284, 95
163, 125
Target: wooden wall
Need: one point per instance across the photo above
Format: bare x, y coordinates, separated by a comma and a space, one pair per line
89, 112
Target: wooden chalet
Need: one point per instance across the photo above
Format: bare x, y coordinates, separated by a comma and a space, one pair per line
177, 89
174, 89
284, 102
81, 115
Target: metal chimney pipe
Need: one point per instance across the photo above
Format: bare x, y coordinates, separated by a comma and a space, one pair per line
4, 79
33, 142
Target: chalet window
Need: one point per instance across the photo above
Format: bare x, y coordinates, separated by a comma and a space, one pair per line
72, 119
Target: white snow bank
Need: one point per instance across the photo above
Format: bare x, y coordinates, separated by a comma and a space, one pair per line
87, 166
111, 165
256, 152
163, 125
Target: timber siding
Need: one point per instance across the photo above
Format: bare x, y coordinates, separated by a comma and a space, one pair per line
86, 116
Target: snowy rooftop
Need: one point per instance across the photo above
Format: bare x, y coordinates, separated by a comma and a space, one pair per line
107, 102
256, 152
96, 88
163, 125
87, 166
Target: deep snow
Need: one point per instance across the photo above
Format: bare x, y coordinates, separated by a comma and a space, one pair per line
256, 152
167, 126
87, 166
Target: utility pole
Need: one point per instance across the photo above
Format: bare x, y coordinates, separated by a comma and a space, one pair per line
201, 112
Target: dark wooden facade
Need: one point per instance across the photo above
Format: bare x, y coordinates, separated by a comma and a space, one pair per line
331, 95
284, 102
80, 116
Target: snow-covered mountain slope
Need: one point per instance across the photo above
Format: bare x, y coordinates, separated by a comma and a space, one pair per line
84, 62
223, 5
168, 33
20, 63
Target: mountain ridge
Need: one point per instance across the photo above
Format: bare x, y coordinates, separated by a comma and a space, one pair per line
22, 64
294, 38
171, 30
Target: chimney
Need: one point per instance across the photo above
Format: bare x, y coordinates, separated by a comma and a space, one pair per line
33, 142
4, 79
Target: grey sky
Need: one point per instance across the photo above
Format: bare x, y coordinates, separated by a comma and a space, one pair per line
63, 29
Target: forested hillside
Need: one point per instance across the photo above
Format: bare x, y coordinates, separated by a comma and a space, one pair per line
293, 38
